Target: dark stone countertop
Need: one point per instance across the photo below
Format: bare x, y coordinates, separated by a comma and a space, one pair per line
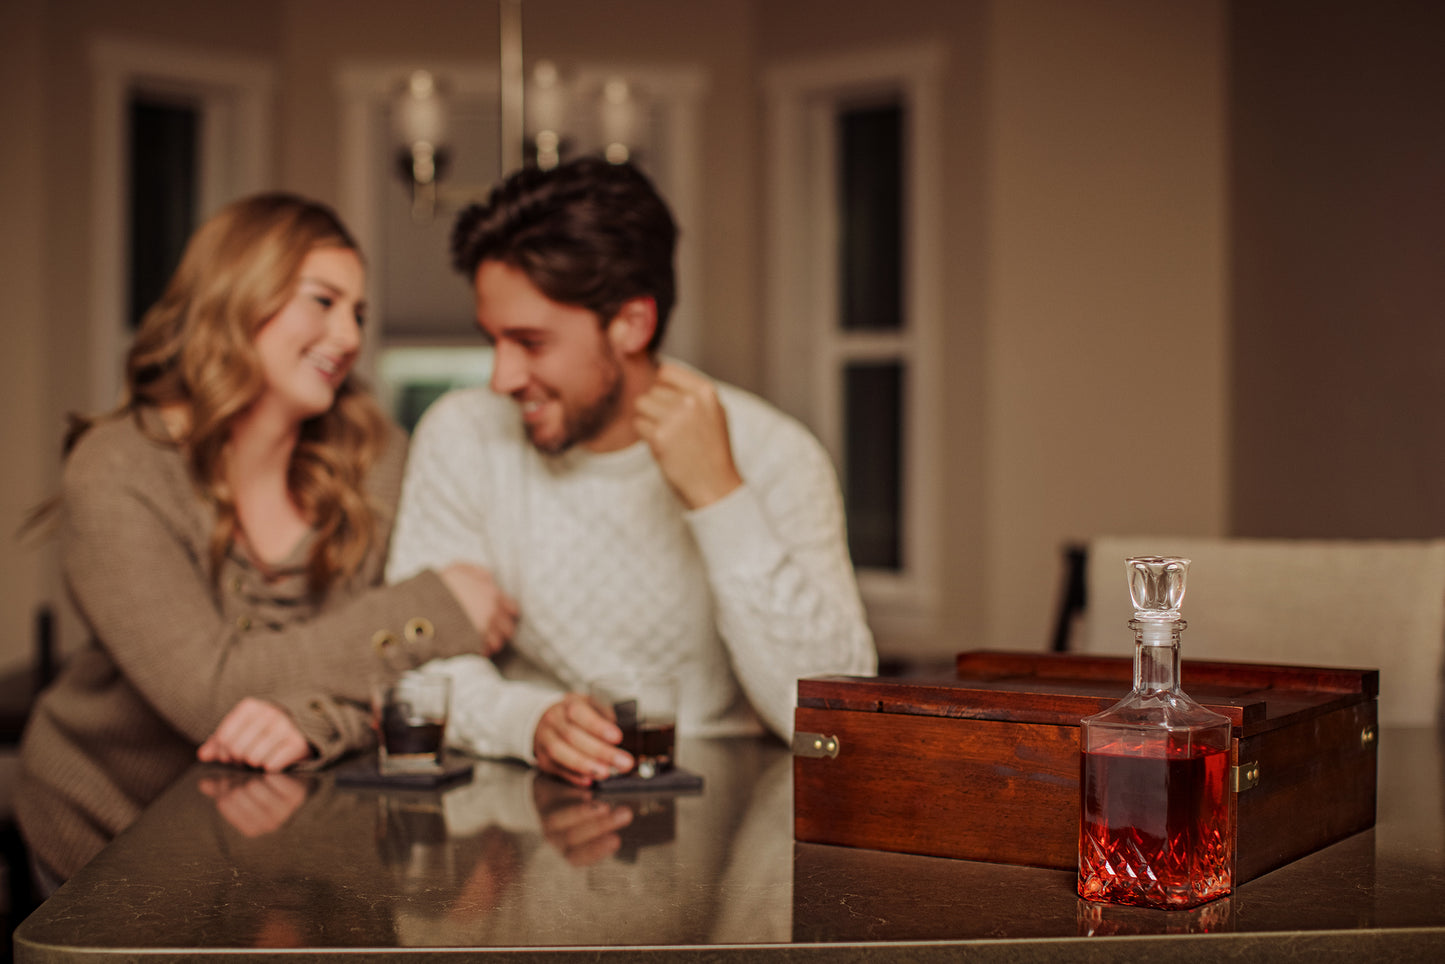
238, 865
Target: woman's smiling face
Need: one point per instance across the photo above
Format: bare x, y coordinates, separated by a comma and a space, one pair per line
308, 347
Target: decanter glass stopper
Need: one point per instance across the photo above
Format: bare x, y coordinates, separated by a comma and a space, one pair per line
1156, 585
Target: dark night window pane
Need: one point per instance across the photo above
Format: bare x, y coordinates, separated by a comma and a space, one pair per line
873, 463
870, 212
162, 195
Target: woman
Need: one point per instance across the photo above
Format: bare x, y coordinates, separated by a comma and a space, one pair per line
223, 534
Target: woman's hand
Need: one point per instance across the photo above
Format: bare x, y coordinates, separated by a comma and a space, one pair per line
256, 734
491, 611
255, 803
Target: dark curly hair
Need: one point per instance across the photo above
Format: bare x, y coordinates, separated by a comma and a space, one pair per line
587, 233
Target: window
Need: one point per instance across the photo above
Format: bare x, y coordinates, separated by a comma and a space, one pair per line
178, 132
854, 275
869, 150
163, 148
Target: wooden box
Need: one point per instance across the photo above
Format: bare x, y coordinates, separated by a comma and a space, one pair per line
985, 766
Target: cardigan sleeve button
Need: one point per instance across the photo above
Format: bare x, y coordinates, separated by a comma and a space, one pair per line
243, 623
418, 629
382, 641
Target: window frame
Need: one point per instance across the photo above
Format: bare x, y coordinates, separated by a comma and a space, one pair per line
803, 99
234, 98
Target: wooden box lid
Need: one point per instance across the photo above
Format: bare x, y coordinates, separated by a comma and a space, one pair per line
1061, 688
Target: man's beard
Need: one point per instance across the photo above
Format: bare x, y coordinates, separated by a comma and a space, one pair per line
586, 423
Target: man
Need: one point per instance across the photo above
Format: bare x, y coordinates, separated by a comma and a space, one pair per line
633, 513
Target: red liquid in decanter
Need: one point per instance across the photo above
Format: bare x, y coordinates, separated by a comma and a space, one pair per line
1155, 829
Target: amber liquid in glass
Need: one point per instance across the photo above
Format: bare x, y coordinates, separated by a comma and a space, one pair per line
651, 744
1155, 829
408, 738
410, 742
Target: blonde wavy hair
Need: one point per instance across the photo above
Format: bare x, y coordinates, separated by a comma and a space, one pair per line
196, 348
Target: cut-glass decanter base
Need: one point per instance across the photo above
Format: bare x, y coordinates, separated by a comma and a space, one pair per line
1154, 830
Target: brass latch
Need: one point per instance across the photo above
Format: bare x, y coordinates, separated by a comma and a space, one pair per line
815, 745
1244, 777
1368, 736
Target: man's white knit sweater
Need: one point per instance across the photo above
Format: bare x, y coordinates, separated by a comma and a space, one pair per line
738, 599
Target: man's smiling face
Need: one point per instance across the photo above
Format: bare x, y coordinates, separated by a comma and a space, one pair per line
554, 360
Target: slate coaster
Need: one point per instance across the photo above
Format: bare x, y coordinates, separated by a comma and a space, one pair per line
676, 780
362, 771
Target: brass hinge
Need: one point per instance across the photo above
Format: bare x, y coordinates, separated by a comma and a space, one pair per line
1244, 777
815, 745
1368, 736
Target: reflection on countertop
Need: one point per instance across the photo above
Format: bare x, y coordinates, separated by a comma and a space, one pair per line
227, 861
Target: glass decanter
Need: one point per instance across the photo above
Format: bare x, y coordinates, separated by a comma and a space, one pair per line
1156, 812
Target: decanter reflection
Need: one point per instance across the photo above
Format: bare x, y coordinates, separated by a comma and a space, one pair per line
1113, 920
1156, 820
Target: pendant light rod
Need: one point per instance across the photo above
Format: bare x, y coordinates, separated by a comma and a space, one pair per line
512, 82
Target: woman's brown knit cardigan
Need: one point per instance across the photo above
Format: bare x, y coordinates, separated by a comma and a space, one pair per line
173, 650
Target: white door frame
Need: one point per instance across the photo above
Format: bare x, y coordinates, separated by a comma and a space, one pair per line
805, 349
234, 97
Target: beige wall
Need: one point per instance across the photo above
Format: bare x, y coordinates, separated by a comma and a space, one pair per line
1338, 171
26, 438
1106, 358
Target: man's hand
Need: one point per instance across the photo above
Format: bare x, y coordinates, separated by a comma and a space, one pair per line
491, 611
256, 734
577, 743
683, 423
581, 827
